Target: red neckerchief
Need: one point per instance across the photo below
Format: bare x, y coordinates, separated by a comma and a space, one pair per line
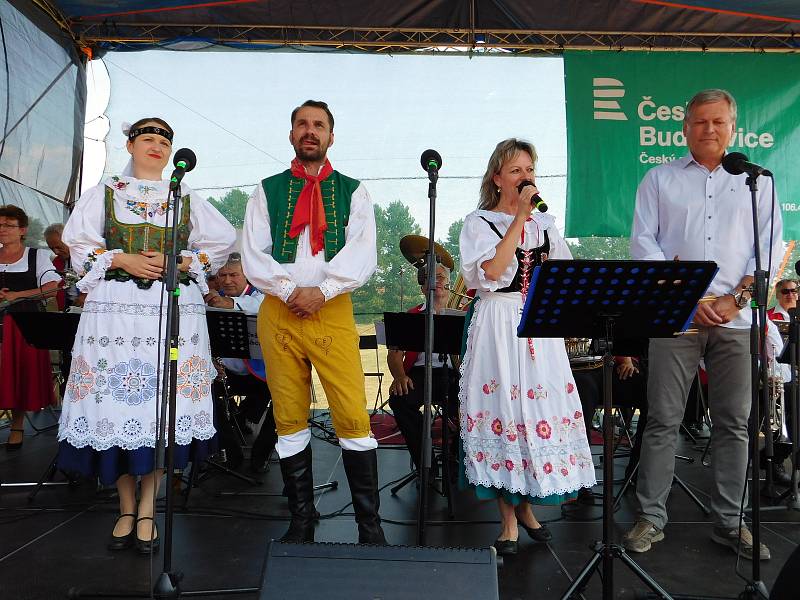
309, 209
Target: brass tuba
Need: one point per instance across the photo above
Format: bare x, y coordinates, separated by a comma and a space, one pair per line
459, 300
776, 415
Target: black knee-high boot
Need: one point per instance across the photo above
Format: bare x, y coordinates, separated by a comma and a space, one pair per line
298, 485
362, 476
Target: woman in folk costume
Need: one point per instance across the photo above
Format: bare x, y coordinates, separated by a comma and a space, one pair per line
25, 373
117, 235
521, 422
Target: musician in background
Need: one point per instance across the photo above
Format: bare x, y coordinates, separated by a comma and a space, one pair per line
25, 378
406, 392
786, 295
692, 209
629, 393
69, 296
244, 377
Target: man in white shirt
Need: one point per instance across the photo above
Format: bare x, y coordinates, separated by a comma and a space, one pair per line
692, 209
309, 241
244, 377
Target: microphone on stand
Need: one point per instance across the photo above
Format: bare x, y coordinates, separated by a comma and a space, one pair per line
184, 161
431, 161
736, 163
536, 200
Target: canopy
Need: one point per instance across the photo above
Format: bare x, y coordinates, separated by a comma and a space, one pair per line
468, 25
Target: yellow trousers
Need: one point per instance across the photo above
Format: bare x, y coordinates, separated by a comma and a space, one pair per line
329, 341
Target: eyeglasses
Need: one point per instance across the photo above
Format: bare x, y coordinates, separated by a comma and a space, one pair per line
8, 226
787, 291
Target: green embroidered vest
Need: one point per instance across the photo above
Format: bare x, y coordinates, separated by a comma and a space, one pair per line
133, 238
282, 192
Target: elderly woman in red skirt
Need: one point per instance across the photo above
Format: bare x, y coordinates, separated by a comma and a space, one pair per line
25, 373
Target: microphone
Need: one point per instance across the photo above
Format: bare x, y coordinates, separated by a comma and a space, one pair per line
184, 161
536, 200
736, 163
431, 161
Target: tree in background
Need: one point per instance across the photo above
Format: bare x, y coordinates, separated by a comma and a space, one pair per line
394, 285
34, 238
232, 206
451, 244
601, 248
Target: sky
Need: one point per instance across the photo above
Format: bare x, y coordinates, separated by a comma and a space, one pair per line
233, 110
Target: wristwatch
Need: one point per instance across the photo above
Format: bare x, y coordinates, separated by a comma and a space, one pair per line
739, 297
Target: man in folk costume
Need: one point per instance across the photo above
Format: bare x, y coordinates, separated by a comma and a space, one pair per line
309, 241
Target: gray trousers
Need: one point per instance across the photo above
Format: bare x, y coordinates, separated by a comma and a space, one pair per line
673, 364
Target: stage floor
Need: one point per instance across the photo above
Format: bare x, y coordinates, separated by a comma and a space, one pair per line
58, 541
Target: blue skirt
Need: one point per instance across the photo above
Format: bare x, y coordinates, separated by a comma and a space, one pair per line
109, 465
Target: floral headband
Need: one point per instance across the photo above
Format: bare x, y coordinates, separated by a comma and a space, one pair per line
133, 133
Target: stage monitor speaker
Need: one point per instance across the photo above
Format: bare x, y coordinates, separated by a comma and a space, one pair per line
785, 587
365, 572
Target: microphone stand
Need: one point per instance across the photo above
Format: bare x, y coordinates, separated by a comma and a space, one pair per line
756, 588
425, 459
167, 583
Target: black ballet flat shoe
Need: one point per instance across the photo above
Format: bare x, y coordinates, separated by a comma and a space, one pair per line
15, 445
123, 542
540, 534
146, 546
506, 547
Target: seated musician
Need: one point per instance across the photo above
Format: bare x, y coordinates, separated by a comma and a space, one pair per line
629, 392
243, 377
786, 295
406, 392
780, 375
70, 295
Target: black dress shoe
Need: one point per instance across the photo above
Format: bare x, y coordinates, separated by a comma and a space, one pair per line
122, 542
540, 534
506, 547
147, 546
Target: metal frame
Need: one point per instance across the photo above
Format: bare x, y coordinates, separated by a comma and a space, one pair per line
399, 39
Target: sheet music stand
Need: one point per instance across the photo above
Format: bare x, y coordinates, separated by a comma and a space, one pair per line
46, 331
406, 331
228, 333
608, 299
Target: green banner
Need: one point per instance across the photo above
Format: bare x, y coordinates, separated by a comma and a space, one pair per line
625, 113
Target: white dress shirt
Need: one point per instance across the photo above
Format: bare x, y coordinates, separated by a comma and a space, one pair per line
685, 210
352, 266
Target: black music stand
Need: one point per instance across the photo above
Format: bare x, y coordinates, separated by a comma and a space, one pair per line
229, 338
608, 299
46, 331
406, 331
228, 333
